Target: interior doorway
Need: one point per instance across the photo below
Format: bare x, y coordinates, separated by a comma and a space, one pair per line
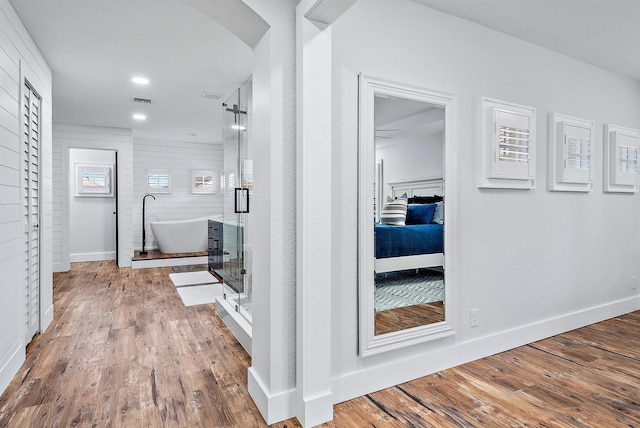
92, 205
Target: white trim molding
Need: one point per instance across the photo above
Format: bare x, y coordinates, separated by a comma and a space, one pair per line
401, 370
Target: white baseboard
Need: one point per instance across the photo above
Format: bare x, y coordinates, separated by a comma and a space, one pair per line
92, 257
362, 382
273, 407
46, 319
13, 363
61, 267
315, 411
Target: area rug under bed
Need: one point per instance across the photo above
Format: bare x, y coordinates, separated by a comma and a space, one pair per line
408, 287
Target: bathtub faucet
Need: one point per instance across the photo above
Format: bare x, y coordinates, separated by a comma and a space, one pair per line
144, 200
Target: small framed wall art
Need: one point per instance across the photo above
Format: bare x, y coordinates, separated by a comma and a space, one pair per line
571, 153
621, 147
93, 180
508, 145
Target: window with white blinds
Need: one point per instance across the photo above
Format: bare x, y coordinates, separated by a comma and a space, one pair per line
158, 181
578, 154
628, 160
508, 145
621, 159
513, 144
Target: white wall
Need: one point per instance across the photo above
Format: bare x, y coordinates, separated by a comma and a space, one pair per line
66, 137
93, 220
534, 263
181, 158
20, 59
410, 158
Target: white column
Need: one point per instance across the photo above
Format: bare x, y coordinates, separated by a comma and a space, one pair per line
313, 317
272, 376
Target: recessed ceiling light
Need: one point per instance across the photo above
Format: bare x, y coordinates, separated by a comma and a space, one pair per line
140, 80
139, 116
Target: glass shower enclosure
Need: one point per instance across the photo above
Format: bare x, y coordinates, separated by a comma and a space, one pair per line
237, 189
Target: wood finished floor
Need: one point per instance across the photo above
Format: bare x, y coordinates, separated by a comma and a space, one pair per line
155, 255
124, 352
396, 319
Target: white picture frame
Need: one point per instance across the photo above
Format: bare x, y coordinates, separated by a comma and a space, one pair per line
571, 153
508, 145
621, 168
93, 180
203, 182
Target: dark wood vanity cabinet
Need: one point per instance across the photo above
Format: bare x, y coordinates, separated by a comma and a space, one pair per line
215, 246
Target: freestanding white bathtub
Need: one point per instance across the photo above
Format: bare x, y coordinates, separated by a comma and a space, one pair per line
182, 236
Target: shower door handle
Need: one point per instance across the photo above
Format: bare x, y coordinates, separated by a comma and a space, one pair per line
241, 205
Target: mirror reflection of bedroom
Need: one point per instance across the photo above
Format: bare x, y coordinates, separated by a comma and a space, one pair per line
409, 220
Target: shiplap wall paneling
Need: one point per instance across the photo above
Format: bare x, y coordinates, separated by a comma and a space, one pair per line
11, 316
20, 59
92, 137
180, 158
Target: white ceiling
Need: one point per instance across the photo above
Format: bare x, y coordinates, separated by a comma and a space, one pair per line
605, 33
94, 48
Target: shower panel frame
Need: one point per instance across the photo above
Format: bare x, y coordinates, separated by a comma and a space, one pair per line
237, 187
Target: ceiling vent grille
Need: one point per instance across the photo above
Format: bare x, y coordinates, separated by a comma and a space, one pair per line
142, 100
212, 95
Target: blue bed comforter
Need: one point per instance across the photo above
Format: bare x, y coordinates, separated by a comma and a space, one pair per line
410, 240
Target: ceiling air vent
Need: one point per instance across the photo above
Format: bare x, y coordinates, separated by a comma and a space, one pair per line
142, 100
211, 95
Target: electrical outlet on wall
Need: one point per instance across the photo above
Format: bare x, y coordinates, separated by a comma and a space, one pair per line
473, 318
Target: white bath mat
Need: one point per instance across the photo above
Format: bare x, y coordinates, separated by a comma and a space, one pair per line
199, 294
192, 278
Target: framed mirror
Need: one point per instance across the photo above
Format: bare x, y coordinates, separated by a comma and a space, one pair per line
404, 293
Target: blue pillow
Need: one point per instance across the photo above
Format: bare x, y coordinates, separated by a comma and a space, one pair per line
420, 213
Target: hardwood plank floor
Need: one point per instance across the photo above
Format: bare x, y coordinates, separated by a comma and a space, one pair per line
155, 254
396, 319
124, 352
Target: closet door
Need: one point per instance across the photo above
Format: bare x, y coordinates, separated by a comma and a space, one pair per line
30, 143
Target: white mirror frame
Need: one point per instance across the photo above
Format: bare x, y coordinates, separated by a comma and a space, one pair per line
370, 344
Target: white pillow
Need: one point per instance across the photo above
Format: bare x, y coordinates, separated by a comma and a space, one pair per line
394, 212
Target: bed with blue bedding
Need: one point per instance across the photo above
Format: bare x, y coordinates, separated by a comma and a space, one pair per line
409, 240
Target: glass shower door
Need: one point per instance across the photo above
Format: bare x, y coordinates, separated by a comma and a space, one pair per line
237, 188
